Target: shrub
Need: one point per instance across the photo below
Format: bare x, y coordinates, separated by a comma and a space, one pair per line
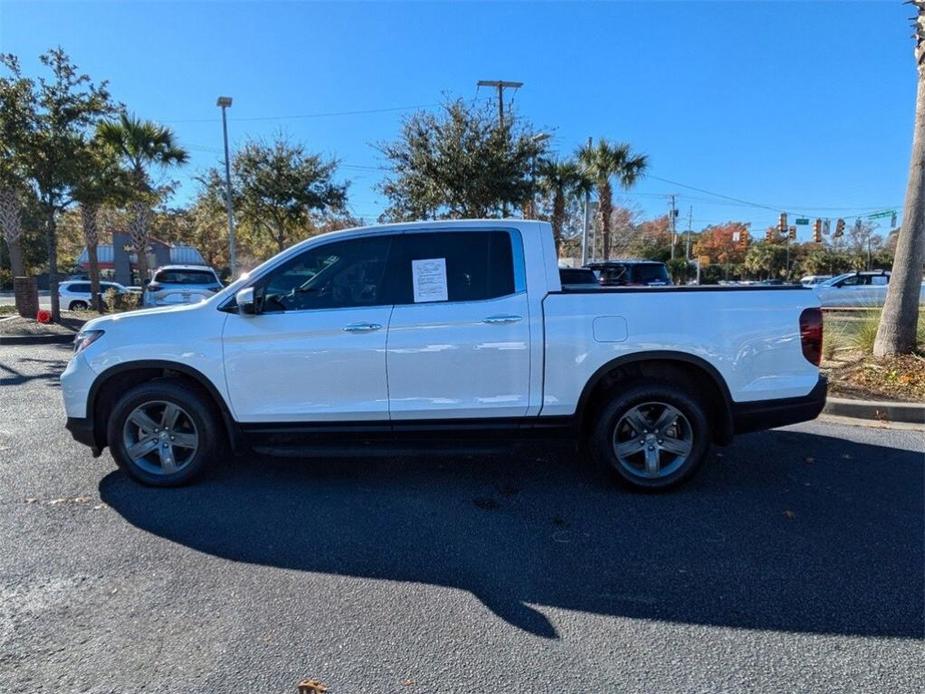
120, 302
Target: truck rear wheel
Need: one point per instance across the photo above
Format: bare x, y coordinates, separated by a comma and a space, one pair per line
651, 436
163, 433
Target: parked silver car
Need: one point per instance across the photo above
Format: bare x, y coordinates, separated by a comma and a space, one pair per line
181, 284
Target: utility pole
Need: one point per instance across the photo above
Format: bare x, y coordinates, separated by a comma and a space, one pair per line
500, 85
690, 228
584, 234
671, 218
225, 102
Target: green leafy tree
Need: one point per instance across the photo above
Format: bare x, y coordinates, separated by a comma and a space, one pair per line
282, 190
142, 146
603, 163
766, 260
459, 162
563, 181
63, 108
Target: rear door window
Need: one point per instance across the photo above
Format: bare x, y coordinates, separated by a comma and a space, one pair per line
452, 266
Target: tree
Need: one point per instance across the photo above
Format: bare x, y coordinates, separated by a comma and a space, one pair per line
603, 162
723, 243
562, 180
899, 320
100, 181
64, 108
142, 145
278, 186
459, 163
766, 259
17, 108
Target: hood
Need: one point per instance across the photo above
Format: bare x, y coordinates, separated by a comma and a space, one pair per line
103, 322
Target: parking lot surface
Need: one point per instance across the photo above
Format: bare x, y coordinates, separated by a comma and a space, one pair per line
794, 562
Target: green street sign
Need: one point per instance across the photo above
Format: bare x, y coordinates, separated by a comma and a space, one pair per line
878, 215
802, 220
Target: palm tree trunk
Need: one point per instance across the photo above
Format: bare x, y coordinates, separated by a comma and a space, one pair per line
11, 227
139, 230
606, 210
558, 217
16, 261
88, 215
899, 321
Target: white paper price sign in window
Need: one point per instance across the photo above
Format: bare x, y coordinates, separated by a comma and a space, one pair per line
429, 279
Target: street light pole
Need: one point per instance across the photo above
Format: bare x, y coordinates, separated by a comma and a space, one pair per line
225, 102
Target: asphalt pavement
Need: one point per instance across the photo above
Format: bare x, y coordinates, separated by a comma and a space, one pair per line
794, 562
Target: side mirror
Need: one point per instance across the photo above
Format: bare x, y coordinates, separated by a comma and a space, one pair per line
245, 301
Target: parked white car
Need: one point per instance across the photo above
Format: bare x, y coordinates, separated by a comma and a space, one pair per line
181, 284
75, 295
856, 289
418, 335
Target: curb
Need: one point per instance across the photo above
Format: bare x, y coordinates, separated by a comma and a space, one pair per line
56, 339
876, 410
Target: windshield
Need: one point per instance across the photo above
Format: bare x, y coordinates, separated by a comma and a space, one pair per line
177, 276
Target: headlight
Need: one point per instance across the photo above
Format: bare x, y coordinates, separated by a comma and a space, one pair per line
85, 338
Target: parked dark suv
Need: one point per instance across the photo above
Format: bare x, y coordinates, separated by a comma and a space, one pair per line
631, 273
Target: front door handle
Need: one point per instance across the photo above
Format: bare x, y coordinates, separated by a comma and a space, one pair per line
502, 319
362, 327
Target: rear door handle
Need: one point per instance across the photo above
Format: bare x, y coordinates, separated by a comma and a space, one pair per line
362, 327
502, 319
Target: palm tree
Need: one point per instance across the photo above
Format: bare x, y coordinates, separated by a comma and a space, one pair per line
101, 181
142, 145
899, 320
604, 162
562, 180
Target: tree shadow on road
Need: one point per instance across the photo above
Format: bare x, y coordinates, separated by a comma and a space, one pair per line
49, 370
784, 531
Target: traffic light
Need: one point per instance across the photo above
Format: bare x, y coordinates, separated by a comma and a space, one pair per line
817, 230
782, 223
792, 234
769, 234
744, 237
893, 221
839, 228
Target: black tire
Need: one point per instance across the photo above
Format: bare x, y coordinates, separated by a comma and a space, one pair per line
648, 396
78, 306
198, 416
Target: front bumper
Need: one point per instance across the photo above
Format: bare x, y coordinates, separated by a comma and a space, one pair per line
770, 414
82, 430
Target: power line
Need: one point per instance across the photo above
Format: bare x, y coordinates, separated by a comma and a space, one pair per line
326, 114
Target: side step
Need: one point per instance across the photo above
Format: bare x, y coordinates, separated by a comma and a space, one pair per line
382, 449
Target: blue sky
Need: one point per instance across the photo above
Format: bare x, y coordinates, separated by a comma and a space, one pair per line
803, 107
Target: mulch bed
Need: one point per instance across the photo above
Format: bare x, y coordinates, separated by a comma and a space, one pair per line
854, 375
18, 326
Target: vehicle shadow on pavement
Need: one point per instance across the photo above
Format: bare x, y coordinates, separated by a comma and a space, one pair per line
784, 531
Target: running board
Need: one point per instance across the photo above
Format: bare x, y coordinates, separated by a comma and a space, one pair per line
381, 449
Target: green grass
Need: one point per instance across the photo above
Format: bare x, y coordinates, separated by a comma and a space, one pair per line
857, 331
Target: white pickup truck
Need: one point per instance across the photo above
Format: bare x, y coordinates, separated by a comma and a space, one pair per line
424, 335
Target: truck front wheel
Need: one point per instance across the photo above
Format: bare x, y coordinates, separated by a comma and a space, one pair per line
163, 433
651, 436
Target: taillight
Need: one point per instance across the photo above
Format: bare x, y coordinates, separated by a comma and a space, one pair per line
811, 334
